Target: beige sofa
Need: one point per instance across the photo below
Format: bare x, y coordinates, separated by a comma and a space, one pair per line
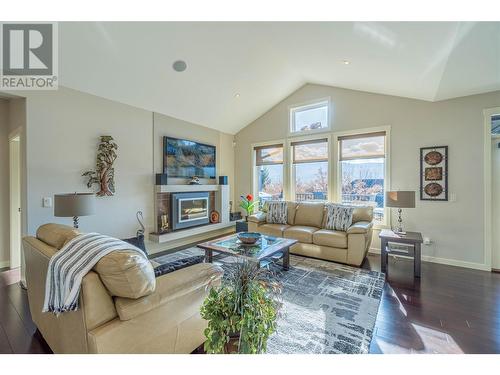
158, 315
306, 222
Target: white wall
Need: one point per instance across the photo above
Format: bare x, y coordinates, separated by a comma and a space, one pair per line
4, 183
455, 227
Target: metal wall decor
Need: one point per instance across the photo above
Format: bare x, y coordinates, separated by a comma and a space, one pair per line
434, 173
104, 174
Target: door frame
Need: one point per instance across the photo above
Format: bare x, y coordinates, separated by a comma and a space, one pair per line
487, 188
16, 133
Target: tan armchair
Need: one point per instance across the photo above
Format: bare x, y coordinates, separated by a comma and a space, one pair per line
306, 222
162, 317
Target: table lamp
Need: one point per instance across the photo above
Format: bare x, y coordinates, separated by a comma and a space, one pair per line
399, 200
74, 205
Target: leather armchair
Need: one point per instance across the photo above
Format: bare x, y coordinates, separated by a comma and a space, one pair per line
165, 319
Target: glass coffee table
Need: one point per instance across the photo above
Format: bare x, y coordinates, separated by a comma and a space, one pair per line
266, 250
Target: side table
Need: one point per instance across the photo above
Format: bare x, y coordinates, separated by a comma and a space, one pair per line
410, 238
241, 226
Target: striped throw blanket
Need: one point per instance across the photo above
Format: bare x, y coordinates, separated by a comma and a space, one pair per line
70, 264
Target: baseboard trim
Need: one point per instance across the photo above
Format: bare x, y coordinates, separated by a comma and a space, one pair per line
5, 264
446, 261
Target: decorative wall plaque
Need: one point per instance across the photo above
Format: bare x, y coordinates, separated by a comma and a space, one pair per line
434, 173
104, 174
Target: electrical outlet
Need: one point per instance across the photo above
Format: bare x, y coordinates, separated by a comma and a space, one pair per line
453, 197
47, 202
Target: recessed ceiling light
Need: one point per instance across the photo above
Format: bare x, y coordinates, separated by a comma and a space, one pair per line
237, 95
346, 62
179, 66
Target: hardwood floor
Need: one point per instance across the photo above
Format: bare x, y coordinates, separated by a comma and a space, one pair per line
449, 310
18, 334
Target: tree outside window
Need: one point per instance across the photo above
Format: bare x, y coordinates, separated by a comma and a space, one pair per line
310, 163
362, 167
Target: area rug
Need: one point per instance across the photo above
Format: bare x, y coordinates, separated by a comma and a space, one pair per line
327, 307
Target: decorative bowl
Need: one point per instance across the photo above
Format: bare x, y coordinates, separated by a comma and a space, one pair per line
249, 238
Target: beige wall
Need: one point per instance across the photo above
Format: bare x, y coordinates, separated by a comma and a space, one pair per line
456, 228
4, 183
62, 133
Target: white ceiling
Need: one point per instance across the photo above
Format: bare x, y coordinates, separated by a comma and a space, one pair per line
131, 62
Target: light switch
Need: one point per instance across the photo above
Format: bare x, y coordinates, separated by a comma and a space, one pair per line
453, 197
47, 202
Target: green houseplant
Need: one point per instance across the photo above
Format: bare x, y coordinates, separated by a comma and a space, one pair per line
248, 204
242, 312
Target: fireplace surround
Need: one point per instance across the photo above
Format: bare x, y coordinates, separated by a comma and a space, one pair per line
166, 232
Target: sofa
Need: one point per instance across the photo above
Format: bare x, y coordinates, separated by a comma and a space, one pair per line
123, 308
306, 223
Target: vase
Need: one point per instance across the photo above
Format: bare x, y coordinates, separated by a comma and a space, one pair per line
232, 346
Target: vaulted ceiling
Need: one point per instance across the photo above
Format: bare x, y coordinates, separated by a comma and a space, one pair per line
238, 71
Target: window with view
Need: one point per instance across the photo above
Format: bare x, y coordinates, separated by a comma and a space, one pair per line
269, 172
310, 170
362, 170
309, 118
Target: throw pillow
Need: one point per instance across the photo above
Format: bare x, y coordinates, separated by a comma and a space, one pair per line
277, 212
338, 217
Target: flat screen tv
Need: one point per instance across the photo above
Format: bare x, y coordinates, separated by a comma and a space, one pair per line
186, 159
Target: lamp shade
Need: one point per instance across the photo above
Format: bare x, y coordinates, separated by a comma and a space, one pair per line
74, 204
400, 199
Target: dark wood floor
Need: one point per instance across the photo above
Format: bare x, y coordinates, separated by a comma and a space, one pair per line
450, 310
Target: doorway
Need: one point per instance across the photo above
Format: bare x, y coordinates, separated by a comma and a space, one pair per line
15, 199
492, 188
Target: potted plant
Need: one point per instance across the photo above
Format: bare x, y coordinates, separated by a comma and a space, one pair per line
242, 312
248, 204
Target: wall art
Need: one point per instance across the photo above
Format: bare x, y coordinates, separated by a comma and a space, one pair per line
434, 173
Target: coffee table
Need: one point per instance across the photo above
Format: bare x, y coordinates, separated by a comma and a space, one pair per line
267, 249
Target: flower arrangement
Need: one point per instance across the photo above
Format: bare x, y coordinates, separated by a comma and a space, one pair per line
248, 204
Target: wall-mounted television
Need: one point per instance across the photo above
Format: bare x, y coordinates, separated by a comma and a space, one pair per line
186, 159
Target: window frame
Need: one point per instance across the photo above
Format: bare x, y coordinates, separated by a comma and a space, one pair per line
253, 180
291, 169
312, 104
386, 223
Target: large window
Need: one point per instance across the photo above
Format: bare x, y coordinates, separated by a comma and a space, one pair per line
362, 171
310, 118
269, 172
310, 169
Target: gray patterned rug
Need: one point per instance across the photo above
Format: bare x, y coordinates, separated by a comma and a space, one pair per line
327, 307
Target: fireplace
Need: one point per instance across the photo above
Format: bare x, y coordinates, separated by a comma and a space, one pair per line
190, 209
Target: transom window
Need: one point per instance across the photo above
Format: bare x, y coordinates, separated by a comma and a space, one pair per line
269, 172
310, 118
310, 169
362, 169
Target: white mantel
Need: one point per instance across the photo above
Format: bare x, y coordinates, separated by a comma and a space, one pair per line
187, 188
